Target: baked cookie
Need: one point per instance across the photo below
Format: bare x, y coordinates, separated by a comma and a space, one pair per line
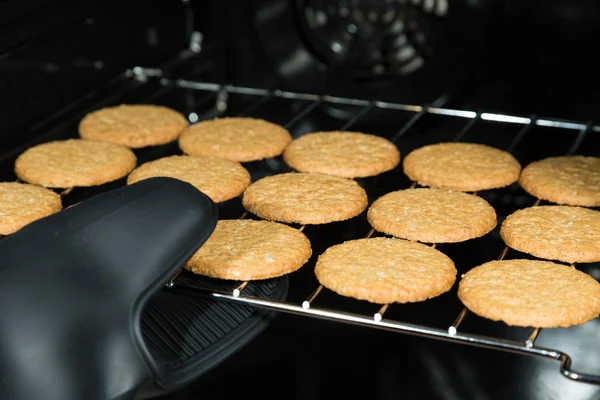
74, 162
251, 250
133, 125
219, 179
432, 215
22, 203
237, 139
345, 154
528, 293
382, 270
305, 198
563, 233
468, 167
571, 180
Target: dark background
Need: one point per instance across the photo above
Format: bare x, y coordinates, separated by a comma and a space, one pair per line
518, 57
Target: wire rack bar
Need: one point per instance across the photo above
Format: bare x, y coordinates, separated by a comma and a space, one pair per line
394, 326
461, 134
486, 116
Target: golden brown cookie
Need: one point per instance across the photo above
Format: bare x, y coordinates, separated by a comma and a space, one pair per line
572, 180
251, 250
74, 162
237, 139
345, 154
305, 198
22, 203
382, 270
432, 215
134, 126
467, 167
219, 179
528, 293
563, 233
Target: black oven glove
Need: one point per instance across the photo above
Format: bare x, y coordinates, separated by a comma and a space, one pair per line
73, 287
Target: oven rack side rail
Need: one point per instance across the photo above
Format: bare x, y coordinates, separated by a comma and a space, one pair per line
450, 335
317, 99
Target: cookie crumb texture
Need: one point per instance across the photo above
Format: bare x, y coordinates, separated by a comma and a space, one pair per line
236, 139
467, 167
563, 233
383, 271
251, 250
219, 179
529, 293
133, 125
569, 180
74, 162
432, 215
345, 154
305, 198
22, 204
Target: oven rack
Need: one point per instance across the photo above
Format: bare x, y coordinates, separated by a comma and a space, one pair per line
221, 92
219, 95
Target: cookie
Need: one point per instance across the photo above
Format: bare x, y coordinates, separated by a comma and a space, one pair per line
74, 162
467, 167
432, 215
219, 179
305, 198
570, 180
251, 250
134, 126
563, 233
528, 293
22, 203
383, 271
345, 154
236, 139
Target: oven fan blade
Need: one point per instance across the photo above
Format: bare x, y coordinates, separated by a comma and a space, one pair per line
374, 39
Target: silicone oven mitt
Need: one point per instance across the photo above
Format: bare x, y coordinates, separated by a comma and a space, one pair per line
73, 287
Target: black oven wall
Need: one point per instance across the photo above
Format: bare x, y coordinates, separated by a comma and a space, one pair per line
54, 52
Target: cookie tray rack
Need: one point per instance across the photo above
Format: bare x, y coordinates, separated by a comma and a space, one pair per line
220, 93
527, 347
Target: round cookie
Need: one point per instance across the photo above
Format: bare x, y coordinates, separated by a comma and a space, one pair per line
563, 233
571, 180
432, 215
305, 198
251, 250
467, 167
219, 179
345, 154
237, 139
383, 271
22, 203
529, 293
74, 162
134, 126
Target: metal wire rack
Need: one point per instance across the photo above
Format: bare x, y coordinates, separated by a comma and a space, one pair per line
378, 320
220, 94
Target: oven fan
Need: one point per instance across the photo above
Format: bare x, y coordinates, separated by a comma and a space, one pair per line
374, 40
411, 51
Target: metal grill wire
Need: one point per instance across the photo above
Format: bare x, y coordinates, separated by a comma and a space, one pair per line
527, 347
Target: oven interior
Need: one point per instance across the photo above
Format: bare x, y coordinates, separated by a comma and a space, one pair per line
504, 83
